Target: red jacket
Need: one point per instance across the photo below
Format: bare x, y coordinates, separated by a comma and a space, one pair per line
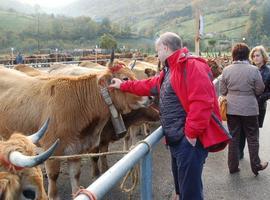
191, 81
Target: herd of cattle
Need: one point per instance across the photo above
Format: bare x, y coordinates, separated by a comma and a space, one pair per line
45, 60
68, 99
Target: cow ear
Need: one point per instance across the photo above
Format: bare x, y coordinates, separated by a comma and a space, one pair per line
105, 80
147, 72
9, 185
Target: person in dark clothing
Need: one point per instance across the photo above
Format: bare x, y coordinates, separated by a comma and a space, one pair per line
19, 59
258, 56
187, 102
241, 82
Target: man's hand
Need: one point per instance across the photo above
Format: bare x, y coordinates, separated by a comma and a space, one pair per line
192, 141
115, 83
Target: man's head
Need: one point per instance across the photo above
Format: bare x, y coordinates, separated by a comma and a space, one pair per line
166, 44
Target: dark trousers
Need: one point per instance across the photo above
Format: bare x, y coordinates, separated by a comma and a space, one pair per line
242, 142
249, 127
187, 165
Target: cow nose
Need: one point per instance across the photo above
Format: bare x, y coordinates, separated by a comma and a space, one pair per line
29, 194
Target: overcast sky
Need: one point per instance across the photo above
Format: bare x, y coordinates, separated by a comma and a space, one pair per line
48, 3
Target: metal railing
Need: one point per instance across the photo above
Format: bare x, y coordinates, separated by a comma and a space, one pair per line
40, 65
142, 152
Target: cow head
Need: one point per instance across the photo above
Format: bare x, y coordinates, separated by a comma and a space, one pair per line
150, 72
124, 102
20, 176
215, 67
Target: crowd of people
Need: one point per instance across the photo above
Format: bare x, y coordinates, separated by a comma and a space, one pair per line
246, 85
189, 109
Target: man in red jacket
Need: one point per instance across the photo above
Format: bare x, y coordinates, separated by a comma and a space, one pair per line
189, 111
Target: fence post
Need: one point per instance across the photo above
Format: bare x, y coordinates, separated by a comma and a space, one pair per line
146, 177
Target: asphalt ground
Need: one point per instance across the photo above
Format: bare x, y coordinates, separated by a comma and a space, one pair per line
218, 183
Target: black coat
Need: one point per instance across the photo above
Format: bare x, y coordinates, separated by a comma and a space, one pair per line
265, 72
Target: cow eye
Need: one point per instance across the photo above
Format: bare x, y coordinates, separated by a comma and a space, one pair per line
125, 79
29, 194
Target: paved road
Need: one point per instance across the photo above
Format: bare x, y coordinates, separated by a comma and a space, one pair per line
218, 183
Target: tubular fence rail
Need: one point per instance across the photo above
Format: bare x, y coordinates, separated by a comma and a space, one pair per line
47, 64
142, 152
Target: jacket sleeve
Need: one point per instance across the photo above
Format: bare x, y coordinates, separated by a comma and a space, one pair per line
266, 94
223, 86
259, 85
201, 97
146, 87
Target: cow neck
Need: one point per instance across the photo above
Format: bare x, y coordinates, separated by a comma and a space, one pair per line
7, 165
116, 118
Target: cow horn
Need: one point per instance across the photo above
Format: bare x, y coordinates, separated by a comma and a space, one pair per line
112, 56
133, 65
38, 135
16, 158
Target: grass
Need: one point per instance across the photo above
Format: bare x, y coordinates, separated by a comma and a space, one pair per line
213, 24
11, 21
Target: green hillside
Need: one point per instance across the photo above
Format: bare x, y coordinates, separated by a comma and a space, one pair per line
133, 23
151, 16
13, 21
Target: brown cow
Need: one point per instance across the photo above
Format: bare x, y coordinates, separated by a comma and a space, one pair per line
77, 110
20, 176
135, 121
73, 70
132, 120
215, 67
30, 71
151, 59
142, 70
90, 64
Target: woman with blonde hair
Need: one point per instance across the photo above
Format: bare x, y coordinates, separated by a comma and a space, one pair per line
259, 57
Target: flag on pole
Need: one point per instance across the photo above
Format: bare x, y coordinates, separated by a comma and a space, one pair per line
201, 26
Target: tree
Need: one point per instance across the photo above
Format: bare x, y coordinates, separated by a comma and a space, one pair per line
107, 41
105, 26
212, 44
252, 26
266, 18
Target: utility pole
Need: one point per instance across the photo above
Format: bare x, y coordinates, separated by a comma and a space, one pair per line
197, 32
198, 24
197, 39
